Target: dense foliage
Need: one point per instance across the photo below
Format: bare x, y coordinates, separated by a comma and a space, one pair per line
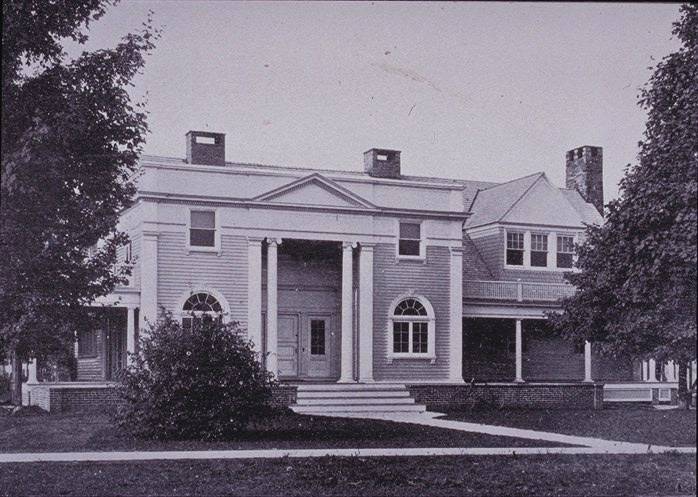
204, 384
637, 284
71, 138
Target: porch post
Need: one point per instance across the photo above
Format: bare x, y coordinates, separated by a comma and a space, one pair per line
130, 334
272, 307
455, 346
31, 372
254, 292
519, 353
652, 370
366, 313
346, 361
149, 279
670, 371
587, 361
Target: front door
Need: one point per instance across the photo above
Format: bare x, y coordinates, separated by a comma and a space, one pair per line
287, 347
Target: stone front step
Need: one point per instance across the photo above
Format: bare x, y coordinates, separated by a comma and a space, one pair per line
372, 394
330, 387
356, 401
347, 398
319, 410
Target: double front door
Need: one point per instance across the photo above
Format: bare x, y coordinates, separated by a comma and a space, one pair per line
306, 345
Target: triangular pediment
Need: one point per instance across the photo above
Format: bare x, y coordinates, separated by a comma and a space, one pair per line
544, 204
315, 190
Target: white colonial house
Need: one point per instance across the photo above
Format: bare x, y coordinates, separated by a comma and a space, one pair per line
393, 287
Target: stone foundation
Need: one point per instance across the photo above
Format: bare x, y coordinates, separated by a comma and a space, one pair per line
509, 395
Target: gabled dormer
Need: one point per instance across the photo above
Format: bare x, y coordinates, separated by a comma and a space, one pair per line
527, 225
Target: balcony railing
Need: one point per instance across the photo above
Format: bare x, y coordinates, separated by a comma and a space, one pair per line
518, 291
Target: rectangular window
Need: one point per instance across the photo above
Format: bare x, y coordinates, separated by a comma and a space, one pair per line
202, 232
410, 239
317, 336
129, 253
401, 337
515, 248
539, 250
565, 251
87, 343
420, 338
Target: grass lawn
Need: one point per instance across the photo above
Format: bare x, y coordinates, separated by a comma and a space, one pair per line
590, 476
643, 425
53, 433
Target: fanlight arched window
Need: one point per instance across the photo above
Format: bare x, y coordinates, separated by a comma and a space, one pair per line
200, 307
412, 329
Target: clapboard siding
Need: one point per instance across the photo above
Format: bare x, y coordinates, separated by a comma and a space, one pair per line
533, 276
391, 279
180, 271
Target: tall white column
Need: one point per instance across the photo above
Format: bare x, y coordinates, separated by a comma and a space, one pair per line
346, 360
366, 313
31, 372
587, 361
149, 279
519, 353
272, 305
254, 292
455, 346
670, 371
653, 370
130, 334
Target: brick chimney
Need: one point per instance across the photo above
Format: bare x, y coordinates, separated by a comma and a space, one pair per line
382, 163
206, 148
584, 172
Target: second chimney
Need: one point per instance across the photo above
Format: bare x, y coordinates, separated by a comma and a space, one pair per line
206, 148
382, 163
584, 172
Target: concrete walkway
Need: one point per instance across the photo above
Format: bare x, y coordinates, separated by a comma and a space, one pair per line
311, 453
431, 419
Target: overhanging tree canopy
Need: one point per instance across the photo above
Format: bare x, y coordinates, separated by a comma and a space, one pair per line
71, 138
637, 284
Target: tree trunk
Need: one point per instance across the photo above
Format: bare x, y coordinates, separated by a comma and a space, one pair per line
684, 393
16, 379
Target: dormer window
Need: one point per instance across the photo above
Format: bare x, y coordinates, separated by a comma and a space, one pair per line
565, 251
515, 248
539, 250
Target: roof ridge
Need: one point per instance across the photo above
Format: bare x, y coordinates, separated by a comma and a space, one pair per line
525, 192
512, 180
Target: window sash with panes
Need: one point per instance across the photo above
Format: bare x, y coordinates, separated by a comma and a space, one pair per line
515, 248
202, 230
565, 251
199, 308
539, 250
410, 328
410, 242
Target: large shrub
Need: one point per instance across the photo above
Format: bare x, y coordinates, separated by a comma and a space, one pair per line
205, 383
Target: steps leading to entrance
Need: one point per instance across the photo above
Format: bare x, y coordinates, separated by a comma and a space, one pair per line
354, 398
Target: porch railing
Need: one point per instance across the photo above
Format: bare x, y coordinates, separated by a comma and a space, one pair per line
517, 290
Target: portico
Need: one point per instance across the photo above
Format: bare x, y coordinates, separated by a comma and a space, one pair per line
310, 309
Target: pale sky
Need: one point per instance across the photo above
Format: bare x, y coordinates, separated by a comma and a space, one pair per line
483, 91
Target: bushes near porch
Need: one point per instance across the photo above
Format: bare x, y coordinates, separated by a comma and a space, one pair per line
201, 383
